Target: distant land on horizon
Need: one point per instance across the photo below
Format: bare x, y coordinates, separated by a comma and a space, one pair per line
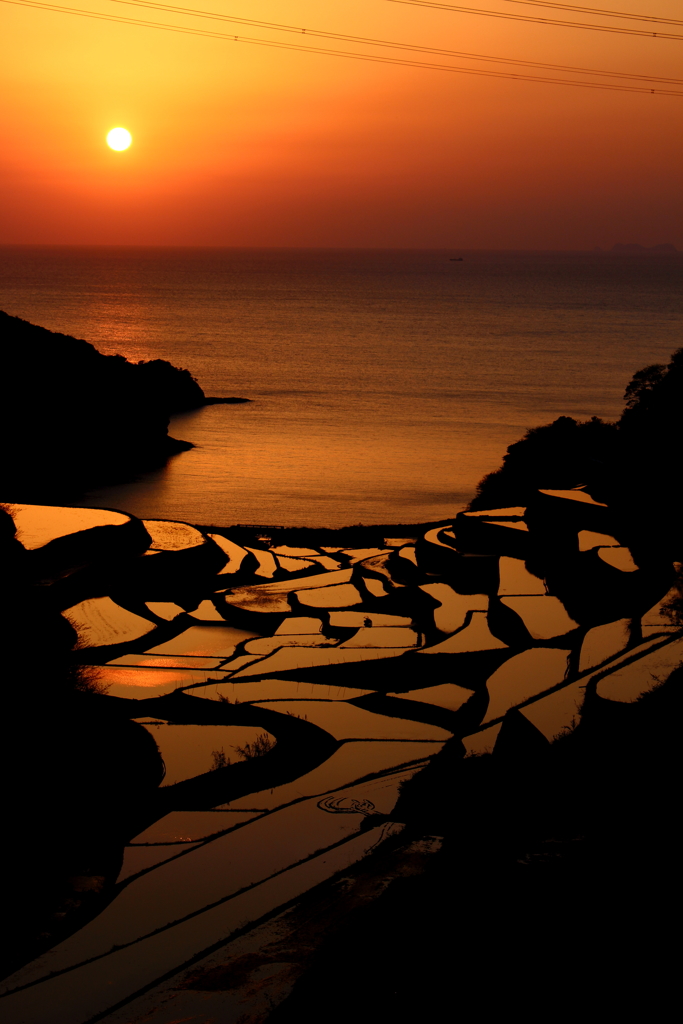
636, 247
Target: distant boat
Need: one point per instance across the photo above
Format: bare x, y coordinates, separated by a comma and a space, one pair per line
455, 259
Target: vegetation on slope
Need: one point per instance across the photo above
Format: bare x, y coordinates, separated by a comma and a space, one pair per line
629, 465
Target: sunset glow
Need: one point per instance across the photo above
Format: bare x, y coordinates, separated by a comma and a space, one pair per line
298, 147
341, 537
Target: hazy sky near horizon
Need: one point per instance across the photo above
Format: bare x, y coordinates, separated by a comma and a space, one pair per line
238, 144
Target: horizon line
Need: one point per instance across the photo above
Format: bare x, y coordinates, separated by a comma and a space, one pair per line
325, 248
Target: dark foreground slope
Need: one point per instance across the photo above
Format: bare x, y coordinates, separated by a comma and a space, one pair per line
552, 896
553, 893
72, 417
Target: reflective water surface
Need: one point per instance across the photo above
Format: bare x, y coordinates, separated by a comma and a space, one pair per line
385, 384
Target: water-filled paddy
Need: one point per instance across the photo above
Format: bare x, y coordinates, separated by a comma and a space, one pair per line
291, 709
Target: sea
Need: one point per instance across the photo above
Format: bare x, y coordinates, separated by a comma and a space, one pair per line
383, 384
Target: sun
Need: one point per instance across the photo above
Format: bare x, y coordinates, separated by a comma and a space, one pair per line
119, 139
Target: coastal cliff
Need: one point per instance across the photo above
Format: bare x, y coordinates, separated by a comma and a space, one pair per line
74, 418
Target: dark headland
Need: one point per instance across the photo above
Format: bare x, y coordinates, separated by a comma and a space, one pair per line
74, 418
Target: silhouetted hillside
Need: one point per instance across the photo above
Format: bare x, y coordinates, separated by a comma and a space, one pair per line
73, 417
631, 464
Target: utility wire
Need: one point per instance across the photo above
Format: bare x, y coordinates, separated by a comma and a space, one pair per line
653, 18
396, 61
215, 16
618, 30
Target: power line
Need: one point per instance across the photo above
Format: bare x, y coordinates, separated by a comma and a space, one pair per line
395, 61
318, 33
618, 30
652, 18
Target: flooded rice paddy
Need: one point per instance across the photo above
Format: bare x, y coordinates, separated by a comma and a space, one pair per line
292, 689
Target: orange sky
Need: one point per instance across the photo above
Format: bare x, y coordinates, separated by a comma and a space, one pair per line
242, 145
